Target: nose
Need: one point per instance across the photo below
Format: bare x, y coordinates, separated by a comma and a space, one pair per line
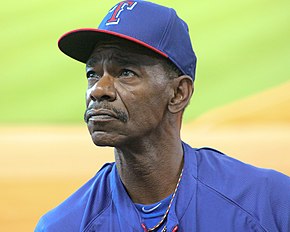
104, 89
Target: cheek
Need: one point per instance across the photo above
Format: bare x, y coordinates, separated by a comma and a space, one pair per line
147, 108
88, 98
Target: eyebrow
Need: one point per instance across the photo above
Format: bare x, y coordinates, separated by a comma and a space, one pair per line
115, 57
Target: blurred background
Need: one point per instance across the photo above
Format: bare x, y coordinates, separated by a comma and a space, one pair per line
241, 103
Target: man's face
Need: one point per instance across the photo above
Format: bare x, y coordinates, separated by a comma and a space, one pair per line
128, 92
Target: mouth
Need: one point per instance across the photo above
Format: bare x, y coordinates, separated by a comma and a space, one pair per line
100, 115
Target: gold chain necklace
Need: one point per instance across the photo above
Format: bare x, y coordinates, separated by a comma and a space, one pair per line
167, 210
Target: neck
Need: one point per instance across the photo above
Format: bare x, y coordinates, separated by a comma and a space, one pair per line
150, 170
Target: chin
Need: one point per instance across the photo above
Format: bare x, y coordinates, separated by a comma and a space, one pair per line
104, 139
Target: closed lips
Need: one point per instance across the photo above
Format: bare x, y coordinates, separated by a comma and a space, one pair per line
100, 112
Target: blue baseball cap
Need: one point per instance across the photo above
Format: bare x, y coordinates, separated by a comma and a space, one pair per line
148, 24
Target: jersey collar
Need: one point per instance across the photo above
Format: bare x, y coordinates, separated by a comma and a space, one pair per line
186, 195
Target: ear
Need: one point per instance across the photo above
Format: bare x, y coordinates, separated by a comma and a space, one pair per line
183, 89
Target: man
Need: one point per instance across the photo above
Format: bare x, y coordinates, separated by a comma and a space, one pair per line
140, 69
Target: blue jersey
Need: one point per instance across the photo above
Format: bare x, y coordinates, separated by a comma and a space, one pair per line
216, 193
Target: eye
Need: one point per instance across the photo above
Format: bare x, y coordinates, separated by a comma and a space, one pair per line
92, 74
126, 73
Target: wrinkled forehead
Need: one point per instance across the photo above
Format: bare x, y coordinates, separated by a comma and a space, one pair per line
123, 53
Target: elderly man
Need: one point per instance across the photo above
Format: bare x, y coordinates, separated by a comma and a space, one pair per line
140, 69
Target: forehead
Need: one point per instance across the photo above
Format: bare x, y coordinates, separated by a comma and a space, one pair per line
123, 52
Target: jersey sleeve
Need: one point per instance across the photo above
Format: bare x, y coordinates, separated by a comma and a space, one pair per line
262, 193
278, 187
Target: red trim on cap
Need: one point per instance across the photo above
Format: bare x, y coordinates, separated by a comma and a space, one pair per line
115, 34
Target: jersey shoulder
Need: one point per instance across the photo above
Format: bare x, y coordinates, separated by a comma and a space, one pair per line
67, 217
262, 193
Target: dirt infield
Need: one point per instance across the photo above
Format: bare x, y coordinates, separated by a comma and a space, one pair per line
41, 166
47, 164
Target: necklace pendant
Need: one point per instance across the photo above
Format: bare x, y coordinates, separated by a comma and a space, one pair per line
168, 208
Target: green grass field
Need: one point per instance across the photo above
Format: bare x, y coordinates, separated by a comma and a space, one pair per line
242, 48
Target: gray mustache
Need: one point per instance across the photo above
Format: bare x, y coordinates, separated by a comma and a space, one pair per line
121, 115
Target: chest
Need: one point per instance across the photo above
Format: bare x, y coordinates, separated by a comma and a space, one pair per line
198, 217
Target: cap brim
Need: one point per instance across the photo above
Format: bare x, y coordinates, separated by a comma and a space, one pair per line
79, 44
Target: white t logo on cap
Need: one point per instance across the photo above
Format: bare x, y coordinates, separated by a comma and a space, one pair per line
115, 18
